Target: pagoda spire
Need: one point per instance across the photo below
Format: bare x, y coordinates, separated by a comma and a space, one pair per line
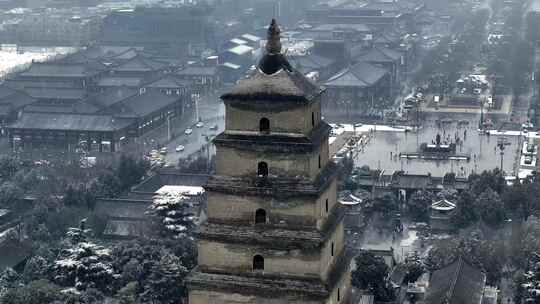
273, 44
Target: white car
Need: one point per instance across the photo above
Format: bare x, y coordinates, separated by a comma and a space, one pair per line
163, 150
188, 131
180, 148
200, 124
214, 127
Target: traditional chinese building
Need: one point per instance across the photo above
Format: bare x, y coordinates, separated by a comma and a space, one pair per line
274, 232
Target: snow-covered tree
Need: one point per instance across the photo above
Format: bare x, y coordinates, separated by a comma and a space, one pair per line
165, 284
84, 264
527, 284
175, 211
35, 269
9, 278
415, 268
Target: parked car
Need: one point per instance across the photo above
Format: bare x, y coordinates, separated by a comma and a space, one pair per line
200, 124
188, 131
163, 150
180, 148
214, 127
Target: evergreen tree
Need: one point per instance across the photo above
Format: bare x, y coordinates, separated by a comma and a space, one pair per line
165, 284
175, 213
370, 275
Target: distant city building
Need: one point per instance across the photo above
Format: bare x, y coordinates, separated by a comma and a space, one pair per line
183, 30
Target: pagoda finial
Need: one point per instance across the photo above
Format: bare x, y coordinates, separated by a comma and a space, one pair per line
273, 44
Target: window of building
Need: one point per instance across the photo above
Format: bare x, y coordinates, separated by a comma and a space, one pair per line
260, 216
258, 262
332, 249
326, 205
313, 119
320, 162
262, 169
338, 295
264, 125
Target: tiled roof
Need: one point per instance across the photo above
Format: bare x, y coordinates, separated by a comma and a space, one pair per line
361, 74
140, 64
55, 93
13, 253
113, 81
377, 55
20, 84
56, 70
69, 122
122, 208
78, 107
443, 205
457, 283
198, 71
310, 62
145, 104
169, 82
348, 27
111, 96
286, 84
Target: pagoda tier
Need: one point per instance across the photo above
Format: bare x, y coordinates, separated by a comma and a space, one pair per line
304, 238
279, 186
274, 229
262, 285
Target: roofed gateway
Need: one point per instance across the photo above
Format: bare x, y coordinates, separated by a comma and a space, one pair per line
274, 232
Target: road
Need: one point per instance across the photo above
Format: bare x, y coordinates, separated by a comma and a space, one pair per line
211, 112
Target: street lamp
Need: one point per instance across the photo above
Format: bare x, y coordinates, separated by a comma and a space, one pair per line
502, 142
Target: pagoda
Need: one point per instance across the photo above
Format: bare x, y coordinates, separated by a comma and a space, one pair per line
274, 232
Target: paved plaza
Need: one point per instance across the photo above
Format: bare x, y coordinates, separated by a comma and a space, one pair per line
384, 148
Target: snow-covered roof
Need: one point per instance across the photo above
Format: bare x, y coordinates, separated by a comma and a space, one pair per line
238, 41
241, 49
186, 190
251, 38
231, 65
4, 212
443, 205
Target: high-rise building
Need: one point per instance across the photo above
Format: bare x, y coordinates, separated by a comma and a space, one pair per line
274, 232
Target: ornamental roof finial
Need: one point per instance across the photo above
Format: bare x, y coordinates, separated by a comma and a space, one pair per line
273, 43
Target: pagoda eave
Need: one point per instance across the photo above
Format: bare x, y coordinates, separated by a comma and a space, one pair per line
278, 187
262, 235
275, 143
256, 285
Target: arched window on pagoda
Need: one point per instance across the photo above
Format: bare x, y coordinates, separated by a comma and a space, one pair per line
260, 216
264, 125
258, 262
262, 169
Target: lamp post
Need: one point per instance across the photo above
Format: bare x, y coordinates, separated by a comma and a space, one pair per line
502, 142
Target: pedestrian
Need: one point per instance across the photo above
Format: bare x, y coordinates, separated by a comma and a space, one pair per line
390, 154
